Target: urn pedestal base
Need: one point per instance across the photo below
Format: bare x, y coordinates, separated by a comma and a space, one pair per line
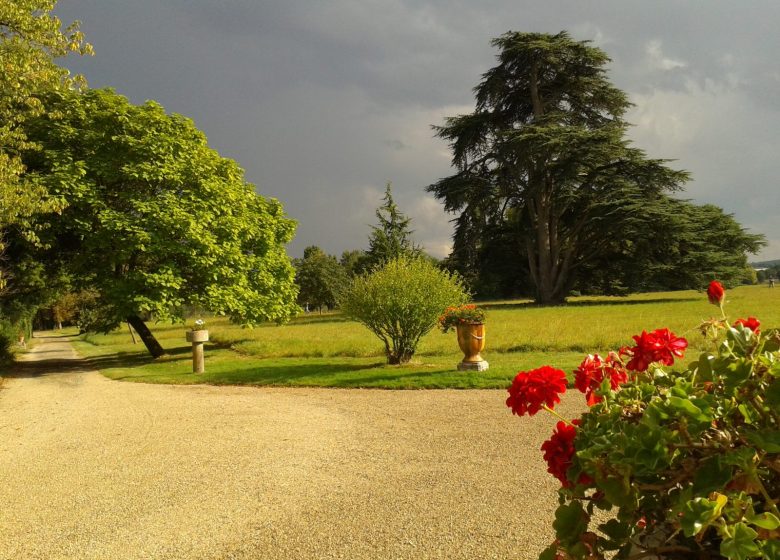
473, 366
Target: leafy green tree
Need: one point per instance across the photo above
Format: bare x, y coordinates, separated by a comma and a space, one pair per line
392, 237
320, 277
401, 301
30, 40
545, 152
770, 273
156, 219
354, 262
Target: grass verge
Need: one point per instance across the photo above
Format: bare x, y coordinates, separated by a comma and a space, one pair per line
330, 351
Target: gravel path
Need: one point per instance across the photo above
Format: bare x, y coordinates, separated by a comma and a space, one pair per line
92, 468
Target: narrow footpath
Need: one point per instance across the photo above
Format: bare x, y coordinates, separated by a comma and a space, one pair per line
93, 468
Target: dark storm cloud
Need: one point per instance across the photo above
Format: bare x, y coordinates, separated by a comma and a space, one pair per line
323, 102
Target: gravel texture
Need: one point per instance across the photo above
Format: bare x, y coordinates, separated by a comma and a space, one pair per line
93, 468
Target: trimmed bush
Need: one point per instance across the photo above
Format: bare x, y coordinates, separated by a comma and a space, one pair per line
401, 302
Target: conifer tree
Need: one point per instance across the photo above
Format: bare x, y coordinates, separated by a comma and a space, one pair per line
391, 239
545, 152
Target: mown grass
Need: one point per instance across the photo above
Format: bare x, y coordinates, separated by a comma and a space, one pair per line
330, 351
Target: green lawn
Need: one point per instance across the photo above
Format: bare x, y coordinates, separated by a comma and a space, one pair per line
330, 351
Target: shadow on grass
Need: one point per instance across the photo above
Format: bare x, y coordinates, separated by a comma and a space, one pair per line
258, 374
587, 303
372, 375
314, 320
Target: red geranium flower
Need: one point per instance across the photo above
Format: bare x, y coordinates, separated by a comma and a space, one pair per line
593, 370
531, 390
643, 353
559, 452
715, 292
668, 345
661, 345
750, 323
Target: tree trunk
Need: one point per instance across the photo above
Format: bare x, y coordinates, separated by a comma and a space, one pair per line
549, 271
399, 358
146, 336
132, 334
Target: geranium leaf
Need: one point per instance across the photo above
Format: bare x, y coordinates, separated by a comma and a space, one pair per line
736, 374
570, 522
765, 520
748, 413
711, 476
772, 340
768, 441
742, 338
772, 394
549, 553
617, 490
700, 512
742, 545
615, 530
742, 458
771, 549
704, 367
686, 407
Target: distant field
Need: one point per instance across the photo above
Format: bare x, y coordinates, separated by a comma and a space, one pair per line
328, 350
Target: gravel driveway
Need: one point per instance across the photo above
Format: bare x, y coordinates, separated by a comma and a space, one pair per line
93, 468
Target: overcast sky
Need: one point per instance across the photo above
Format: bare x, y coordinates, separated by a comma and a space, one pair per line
324, 101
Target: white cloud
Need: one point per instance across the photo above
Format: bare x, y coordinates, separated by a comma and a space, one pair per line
715, 131
657, 60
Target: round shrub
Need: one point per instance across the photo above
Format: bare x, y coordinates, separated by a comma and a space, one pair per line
401, 302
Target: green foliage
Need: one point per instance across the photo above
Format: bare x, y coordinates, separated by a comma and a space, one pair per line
391, 239
156, 219
320, 278
401, 302
30, 41
489, 258
7, 340
544, 158
686, 458
673, 244
30, 285
770, 272
354, 262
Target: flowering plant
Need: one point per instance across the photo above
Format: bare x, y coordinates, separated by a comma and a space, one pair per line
462, 314
686, 460
200, 324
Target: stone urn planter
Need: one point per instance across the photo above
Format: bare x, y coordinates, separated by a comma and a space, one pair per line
471, 339
198, 336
